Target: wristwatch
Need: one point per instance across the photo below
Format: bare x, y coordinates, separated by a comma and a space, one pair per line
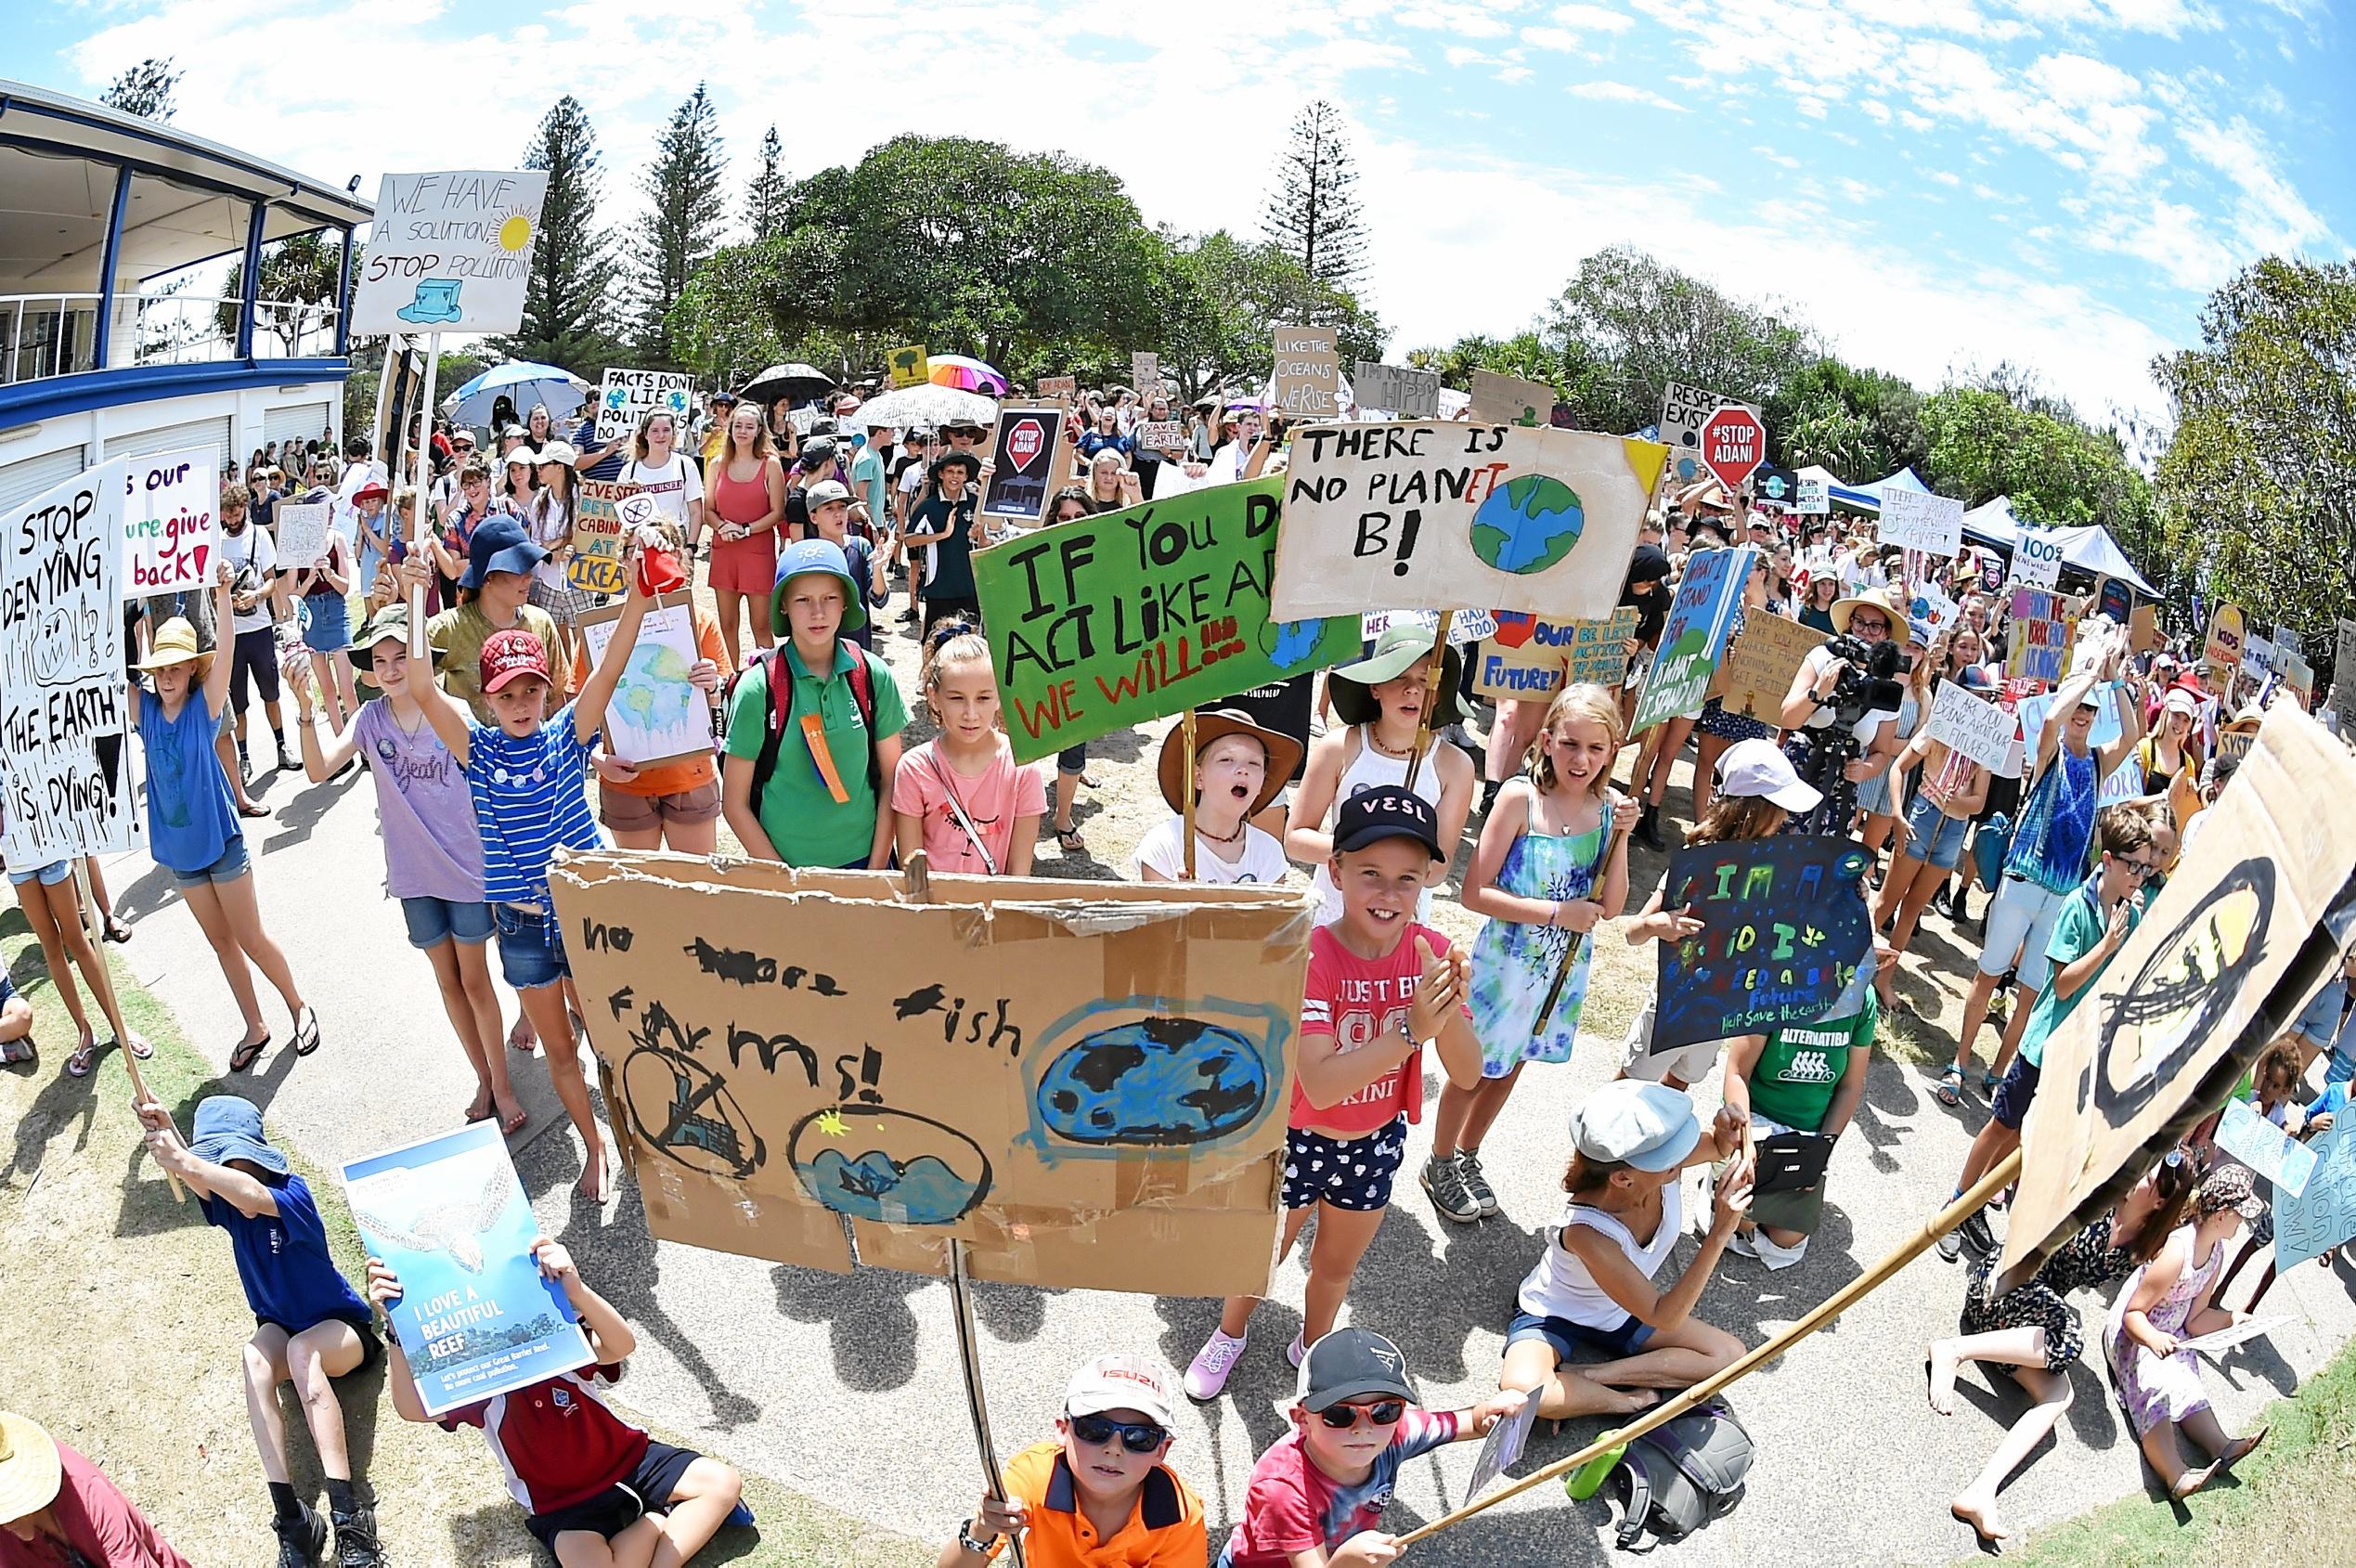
965, 1539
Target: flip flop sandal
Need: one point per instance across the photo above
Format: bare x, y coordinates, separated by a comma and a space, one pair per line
139, 1045
306, 1032
247, 1053
85, 1057
20, 1052
1950, 1088
1068, 840
252, 809
117, 931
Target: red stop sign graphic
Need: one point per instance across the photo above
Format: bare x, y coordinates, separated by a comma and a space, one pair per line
1025, 442
1733, 442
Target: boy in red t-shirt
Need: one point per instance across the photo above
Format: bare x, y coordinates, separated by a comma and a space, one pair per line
596, 1490
1379, 985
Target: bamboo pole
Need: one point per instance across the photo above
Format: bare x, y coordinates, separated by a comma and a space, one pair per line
1186, 793
1830, 1307
424, 488
102, 986
1577, 949
969, 1356
1431, 696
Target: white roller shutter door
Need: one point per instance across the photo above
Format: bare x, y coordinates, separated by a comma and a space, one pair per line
298, 422
27, 478
213, 433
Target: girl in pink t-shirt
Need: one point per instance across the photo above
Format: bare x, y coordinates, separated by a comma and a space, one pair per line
960, 798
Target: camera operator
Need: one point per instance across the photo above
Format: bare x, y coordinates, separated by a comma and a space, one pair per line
1811, 711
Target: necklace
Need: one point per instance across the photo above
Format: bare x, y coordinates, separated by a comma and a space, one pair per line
1374, 739
1234, 838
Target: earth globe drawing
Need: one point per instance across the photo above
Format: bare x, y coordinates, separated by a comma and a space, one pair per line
1289, 644
1528, 524
872, 1163
1158, 1082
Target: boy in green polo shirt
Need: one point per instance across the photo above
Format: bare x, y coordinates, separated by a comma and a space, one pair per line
828, 743
1803, 1078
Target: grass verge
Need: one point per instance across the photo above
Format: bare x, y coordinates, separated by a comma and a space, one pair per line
125, 1319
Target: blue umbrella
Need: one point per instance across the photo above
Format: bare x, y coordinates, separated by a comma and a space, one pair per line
523, 384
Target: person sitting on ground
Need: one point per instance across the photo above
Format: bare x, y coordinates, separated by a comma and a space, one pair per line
2171, 1298
57, 1511
1098, 1494
596, 1491
1239, 767
310, 1326
1317, 1495
1593, 1288
1806, 1078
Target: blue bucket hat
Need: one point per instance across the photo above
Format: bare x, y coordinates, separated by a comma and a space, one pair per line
499, 545
805, 556
228, 1128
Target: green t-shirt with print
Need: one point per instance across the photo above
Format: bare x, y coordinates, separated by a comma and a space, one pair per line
2078, 926
806, 825
1800, 1067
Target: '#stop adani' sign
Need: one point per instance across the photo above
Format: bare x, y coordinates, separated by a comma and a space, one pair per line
1733, 442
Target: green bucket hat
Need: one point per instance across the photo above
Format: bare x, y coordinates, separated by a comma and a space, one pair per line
388, 625
1399, 647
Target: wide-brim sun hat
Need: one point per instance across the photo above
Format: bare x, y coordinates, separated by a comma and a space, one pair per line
228, 1127
1397, 649
1878, 598
1217, 724
803, 557
175, 644
30, 1471
388, 625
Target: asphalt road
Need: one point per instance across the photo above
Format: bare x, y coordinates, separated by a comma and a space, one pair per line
846, 1388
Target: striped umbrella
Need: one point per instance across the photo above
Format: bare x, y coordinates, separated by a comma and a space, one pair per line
969, 375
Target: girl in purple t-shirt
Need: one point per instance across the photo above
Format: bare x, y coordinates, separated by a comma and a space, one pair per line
433, 849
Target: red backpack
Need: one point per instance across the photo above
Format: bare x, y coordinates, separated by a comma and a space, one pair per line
781, 710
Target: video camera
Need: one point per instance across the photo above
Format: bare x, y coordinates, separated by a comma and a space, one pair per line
1869, 679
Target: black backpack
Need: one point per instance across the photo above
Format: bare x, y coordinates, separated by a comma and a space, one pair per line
1679, 1477
780, 708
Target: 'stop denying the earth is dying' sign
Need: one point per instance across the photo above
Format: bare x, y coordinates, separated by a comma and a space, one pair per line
1433, 515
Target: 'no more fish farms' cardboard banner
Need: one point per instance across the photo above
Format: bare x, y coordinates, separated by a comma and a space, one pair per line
1086, 1082
2248, 929
1527, 658
1106, 622
1445, 516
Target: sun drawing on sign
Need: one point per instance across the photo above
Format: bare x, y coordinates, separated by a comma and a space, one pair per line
515, 232
831, 1123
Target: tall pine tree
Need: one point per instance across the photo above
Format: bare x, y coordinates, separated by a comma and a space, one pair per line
682, 228
145, 89
765, 199
1312, 215
565, 310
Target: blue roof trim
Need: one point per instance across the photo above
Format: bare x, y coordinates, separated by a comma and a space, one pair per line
55, 396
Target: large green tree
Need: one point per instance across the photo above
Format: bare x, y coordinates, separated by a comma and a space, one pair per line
687, 208
765, 194
1312, 215
1859, 423
297, 270
1216, 297
1989, 441
2258, 486
566, 297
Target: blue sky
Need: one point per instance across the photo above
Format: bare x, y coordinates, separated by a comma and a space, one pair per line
1936, 185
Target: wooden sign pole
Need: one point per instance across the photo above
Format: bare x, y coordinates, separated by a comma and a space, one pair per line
1578, 946
968, 1354
1186, 794
1832, 1306
424, 487
1431, 680
102, 984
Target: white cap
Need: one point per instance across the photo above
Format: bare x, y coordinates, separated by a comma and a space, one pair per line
1119, 1382
1759, 768
2179, 700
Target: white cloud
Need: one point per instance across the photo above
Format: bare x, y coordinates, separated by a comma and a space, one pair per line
1780, 160
1623, 92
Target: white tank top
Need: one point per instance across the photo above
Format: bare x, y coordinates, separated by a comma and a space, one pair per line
1367, 770
1561, 1285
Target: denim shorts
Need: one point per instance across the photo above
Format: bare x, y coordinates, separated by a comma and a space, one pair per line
433, 921
1932, 836
58, 871
2318, 1024
232, 864
2010, 1104
1347, 1173
2020, 922
1567, 1337
531, 950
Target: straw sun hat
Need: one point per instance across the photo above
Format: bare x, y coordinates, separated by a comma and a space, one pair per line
29, 1470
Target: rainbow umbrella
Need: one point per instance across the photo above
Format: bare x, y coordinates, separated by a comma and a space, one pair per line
971, 375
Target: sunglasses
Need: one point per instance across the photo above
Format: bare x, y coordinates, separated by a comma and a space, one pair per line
1138, 1437
1341, 1417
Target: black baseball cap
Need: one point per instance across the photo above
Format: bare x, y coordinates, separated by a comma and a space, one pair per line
1386, 811
1352, 1364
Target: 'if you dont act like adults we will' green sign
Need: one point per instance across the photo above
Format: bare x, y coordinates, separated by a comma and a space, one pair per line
1103, 623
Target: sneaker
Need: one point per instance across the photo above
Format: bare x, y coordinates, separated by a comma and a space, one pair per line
1648, 829
355, 1544
245, 762
1444, 1182
1207, 1374
1743, 1244
1295, 1351
288, 761
741, 1516
302, 1538
1476, 1186
1950, 1246
1976, 1234
1940, 904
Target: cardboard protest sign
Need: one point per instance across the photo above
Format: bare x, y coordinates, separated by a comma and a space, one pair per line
908, 367
2299, 679
2037, 560
1511, 400
169, 530
1104, 623
1528, 658
1928, 603
1307, 380
1465, 627
1915, 520
1145, 373
1396, 391
1684, 410
1700, 618
1784, 935
301, 528
477, 1319
2142, 630
1972, 725
2042, 631
1086, 1082
2222, 652
1161, 436
2248, 927
1058, 386
656, 715
1023, 452
2114, 599
2265, 1148
2235, 737
61, 681
2310, 1223
1758, 668
1448, 516
449, 253
627, 397
596, 565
